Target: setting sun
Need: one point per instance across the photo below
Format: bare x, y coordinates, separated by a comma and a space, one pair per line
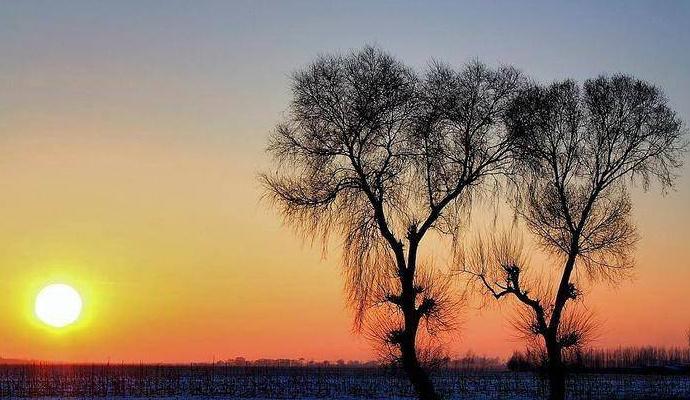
58, 305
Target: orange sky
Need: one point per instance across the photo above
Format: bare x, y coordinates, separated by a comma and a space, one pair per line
130, 172
172, 249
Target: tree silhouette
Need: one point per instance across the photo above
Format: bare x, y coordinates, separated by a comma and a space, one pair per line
380, 156
578, 150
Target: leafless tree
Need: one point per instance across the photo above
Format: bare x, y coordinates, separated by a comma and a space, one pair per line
374, 153
578, 151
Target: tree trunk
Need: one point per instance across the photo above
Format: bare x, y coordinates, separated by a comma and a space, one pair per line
555, 371
416, 374
408, 348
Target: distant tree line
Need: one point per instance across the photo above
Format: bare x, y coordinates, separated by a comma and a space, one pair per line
649, 358
468, 362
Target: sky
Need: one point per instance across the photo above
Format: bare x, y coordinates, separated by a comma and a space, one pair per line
132, 133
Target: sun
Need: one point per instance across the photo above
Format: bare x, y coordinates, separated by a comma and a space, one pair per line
58, 305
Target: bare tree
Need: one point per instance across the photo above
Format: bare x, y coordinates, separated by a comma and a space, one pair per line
379, 156
578, 150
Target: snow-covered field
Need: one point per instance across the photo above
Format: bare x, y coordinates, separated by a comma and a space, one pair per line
201, 383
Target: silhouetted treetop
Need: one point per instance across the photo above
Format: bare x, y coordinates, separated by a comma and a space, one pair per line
377, 153
575, 146
609, 128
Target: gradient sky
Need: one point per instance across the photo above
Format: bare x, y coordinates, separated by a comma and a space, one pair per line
131, 134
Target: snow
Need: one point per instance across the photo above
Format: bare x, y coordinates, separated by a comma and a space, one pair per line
305, 384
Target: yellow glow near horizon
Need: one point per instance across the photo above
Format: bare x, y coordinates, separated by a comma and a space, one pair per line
58, 305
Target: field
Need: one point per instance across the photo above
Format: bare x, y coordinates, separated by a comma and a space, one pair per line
201, 382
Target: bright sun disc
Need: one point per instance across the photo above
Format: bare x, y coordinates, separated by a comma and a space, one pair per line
58, 305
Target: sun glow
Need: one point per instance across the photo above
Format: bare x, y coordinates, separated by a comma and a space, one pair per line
58, 305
